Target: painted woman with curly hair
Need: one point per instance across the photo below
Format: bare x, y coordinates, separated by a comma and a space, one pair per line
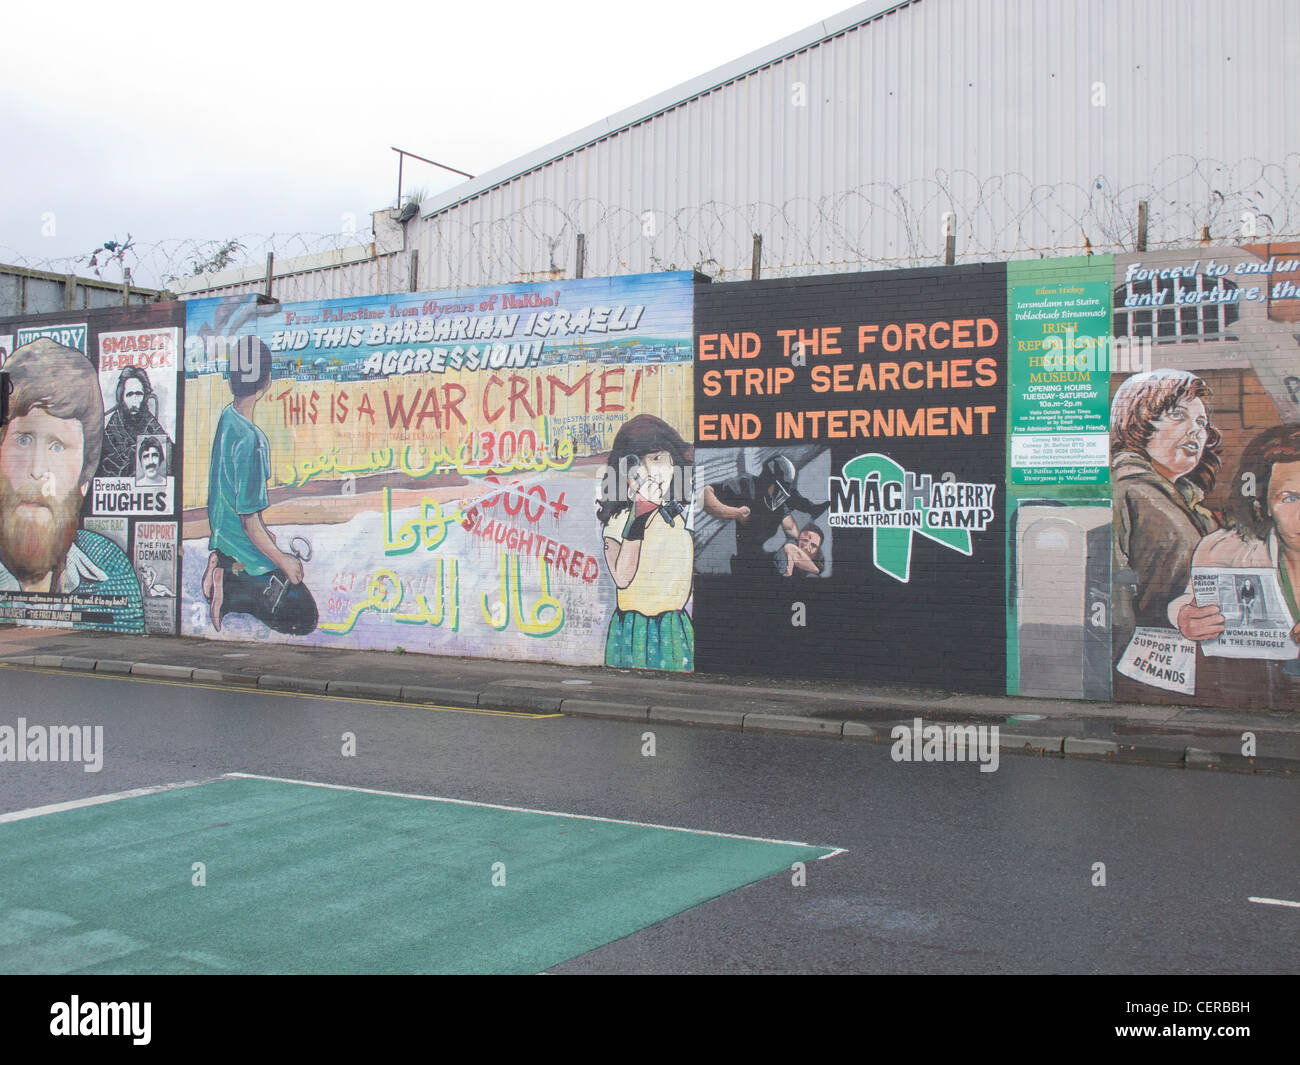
1164, 460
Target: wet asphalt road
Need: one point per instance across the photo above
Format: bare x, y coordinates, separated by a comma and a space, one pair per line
947, 870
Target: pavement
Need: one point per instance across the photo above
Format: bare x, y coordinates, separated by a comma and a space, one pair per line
1171, 736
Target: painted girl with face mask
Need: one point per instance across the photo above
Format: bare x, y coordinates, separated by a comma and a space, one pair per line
643, 512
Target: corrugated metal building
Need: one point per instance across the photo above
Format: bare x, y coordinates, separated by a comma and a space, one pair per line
1024, 126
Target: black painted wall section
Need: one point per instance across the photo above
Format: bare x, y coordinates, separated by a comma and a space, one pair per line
916, 372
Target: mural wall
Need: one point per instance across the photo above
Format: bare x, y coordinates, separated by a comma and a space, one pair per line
1169, 574
850, 459
431, 472
1073, 478
88, 481
1205, 468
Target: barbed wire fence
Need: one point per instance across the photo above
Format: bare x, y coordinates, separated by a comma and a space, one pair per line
876, 225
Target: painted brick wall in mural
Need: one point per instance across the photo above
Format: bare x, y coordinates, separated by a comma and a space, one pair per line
88, 482
430, 472
850, 462
1205, 469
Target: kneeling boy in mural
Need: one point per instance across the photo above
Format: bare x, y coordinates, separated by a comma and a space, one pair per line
645, 525
247, 573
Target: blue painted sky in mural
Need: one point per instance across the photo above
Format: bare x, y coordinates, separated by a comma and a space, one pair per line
629, 319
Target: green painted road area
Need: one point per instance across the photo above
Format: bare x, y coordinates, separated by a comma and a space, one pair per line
300, 878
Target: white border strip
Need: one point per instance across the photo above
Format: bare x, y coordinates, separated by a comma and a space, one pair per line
525, 810
96, 800
135, 793
1273, 902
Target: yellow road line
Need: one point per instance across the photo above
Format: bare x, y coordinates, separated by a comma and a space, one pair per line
278, 692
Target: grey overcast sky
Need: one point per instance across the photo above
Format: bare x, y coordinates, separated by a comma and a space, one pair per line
171, 121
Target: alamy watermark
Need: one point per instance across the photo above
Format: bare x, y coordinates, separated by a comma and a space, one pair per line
634, 477
102, 1018
53, 743
919, 742
1069, 353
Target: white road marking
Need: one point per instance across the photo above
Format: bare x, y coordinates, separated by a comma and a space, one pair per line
526, 810
135, 793
96, 800
1273, 902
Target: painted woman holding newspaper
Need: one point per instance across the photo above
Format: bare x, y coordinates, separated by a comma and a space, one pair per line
1263, 534
1164, 460
643, 512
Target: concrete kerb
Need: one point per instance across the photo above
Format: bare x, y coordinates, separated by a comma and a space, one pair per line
223, 677
862, 732
601, 708
1077, 747
457, 698
364, 690
792, 724
278, 682
162, 670
81, 665
1148, 754
536, 700
688, 715
1042, 746
1196, 756
112, 665
532, 700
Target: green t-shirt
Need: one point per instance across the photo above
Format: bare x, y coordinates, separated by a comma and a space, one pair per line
241, 466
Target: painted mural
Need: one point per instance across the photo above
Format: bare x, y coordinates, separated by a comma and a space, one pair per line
1205, 468
85, 458
1075, 478
498, 472
850, 453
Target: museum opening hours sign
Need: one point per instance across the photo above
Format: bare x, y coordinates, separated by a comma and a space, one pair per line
1061, 357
